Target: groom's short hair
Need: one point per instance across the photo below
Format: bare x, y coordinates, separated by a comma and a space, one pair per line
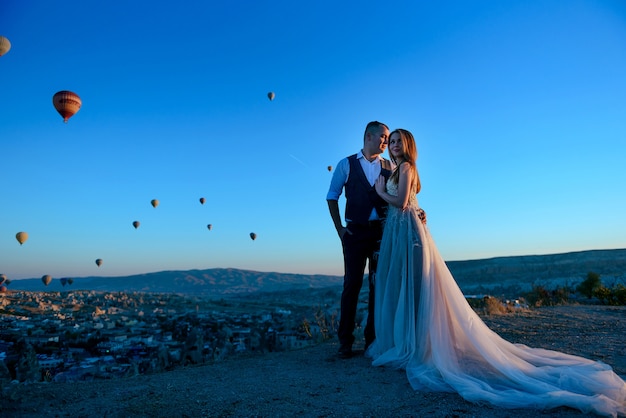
374, 125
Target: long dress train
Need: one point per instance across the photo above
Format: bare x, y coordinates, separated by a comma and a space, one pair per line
425, 325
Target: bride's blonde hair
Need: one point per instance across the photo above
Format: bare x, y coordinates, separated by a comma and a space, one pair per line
410, 156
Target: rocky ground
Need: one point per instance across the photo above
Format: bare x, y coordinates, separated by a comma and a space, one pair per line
313, 382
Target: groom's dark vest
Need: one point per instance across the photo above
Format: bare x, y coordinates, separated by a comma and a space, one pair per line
361, 198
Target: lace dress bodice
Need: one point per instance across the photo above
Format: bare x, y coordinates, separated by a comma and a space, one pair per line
392, 189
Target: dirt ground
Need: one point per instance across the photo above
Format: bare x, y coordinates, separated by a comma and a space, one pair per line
313, 382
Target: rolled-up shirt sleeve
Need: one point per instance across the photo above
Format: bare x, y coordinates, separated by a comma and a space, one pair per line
340, 177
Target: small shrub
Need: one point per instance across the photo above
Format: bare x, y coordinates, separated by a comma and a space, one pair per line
589, 285
539, 296
620, 294
559, 296
305, 327
603, 294
476, 303
493, 306
613, 296
327, 325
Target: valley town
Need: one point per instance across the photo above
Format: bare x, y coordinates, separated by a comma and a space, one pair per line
87, 335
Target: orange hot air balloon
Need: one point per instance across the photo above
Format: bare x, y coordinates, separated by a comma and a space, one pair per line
3, 289
21, 237
209, 226
5, 45
154, 203
202, 200
271, 95
46, 279
136, 224
66, 103
99, 262
253, 236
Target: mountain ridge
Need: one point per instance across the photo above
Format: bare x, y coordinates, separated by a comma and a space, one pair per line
548, 270
471, 275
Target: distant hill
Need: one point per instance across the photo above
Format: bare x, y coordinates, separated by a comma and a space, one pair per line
210, 282
472, 275
546, 270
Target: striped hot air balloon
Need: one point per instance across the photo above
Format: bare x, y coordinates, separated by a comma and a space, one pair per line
66, 103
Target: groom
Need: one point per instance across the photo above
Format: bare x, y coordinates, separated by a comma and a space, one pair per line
361, 236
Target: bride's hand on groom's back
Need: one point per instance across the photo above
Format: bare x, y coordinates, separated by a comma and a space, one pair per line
421, 214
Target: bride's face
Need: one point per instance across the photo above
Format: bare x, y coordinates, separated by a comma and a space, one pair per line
396, 146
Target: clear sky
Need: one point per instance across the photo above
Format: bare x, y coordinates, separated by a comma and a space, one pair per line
518, 108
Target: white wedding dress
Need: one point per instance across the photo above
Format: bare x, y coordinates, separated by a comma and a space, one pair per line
425, 325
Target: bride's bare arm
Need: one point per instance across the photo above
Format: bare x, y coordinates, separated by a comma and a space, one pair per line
404, 183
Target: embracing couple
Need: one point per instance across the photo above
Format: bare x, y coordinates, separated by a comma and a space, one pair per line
418, 318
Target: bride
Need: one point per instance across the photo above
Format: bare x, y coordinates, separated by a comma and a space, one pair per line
425, 325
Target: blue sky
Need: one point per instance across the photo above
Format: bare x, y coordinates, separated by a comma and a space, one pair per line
517, 108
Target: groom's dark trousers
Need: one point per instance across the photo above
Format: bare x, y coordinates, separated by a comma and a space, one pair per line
359, 246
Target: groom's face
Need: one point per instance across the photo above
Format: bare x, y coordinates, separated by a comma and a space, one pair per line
377, 140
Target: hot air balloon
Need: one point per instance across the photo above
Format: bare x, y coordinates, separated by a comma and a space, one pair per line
99, 262
3, 289
136, 224
330, 168
5, 45
3, 278
202, 200
154, 203
46, 279
70, 281
271, 95
63, 281
66, 103
253, 236
209, 226
21, 237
